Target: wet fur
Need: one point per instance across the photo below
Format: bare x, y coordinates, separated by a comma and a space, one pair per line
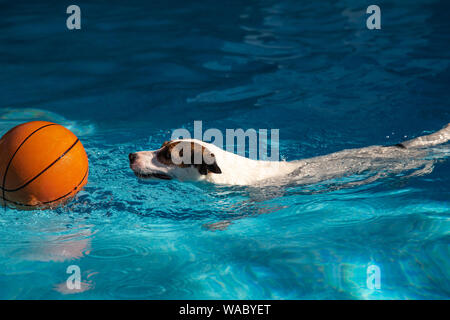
207, 162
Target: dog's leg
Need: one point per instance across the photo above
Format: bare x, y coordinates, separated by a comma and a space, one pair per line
439, 137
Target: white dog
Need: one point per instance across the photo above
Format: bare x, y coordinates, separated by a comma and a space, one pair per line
194, 160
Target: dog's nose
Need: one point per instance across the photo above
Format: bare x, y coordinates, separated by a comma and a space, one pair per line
132, 157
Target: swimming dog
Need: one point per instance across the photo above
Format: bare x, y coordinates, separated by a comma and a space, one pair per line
195, 160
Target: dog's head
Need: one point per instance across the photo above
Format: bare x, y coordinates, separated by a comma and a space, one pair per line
178, 159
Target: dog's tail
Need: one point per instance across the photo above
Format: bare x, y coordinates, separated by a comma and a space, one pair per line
439, 137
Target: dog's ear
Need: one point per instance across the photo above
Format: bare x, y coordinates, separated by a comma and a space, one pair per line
194, 155
204, 168
214, 168
208, 160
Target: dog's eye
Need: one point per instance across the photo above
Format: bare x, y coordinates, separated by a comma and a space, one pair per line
167, 155
164, 154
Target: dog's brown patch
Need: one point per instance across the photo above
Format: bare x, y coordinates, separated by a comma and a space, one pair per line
200, 157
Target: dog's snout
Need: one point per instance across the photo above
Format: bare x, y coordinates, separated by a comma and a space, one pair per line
132, 157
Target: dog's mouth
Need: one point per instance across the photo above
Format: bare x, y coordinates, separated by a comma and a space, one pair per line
153, 175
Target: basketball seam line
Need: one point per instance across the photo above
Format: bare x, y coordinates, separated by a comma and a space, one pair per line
48, 202
62, 197
15, 152
40, 173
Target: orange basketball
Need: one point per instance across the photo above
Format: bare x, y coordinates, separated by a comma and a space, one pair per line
42, 165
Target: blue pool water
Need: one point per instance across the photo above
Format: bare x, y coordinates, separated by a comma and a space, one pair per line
140, 69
